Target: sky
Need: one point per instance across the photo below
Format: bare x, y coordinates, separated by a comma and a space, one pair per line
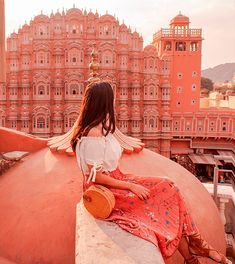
215, 17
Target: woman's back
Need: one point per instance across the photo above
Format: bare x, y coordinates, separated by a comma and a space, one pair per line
98, 150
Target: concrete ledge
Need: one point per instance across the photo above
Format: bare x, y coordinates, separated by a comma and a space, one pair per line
101, 242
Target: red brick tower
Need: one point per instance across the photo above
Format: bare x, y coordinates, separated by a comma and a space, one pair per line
180, 48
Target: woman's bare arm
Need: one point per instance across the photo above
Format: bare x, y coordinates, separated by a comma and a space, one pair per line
105, 179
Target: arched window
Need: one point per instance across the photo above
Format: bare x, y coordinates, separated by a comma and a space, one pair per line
73, 56
151, 63
71, 121
2, 120
167, 46
151, 122
151, 91
74, 89
41, 90
107, 58
180, 46
194, 46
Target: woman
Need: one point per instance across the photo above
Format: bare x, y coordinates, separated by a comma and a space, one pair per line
151, 208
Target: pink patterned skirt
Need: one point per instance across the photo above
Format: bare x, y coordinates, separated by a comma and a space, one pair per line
162, 219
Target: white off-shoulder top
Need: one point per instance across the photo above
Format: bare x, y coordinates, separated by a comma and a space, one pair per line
102, 152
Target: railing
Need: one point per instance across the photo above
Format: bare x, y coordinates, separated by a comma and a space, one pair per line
205, 133
179, 33
216, 173
224, 195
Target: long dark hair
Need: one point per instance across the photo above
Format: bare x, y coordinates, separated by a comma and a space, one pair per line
97, 107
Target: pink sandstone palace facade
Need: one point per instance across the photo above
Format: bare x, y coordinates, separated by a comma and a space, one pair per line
157, 87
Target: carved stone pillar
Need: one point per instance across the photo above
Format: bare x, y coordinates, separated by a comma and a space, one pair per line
222, 203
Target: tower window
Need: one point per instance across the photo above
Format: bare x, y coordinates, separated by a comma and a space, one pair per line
194, 73
179, 89
194, 87
180, 75
167, 46
194, 46
180, 46
178, 104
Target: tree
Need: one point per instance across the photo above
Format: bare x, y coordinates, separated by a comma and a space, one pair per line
206, 83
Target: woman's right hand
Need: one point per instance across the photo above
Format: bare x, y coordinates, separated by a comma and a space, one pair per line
142, 192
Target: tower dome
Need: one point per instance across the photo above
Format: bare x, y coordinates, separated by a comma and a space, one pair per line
179, 20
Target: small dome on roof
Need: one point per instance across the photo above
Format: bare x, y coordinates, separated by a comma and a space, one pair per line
91, 14
135, 34
41, 17
74, 11
180, 19
108, 17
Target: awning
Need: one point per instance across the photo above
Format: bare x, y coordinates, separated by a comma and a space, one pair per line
226, 153
178, 151
203, 159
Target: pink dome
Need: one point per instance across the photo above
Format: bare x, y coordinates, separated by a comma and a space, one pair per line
180, 19
38, 200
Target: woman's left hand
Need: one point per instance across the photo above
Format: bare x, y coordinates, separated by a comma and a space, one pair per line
142, 192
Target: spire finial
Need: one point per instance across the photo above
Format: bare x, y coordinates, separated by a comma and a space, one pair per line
94, 65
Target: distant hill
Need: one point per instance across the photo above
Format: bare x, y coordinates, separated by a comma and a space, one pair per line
222, 72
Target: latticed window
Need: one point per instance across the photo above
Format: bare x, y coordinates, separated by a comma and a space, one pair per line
123, 124
123, 91
40, 122
14, 124
25, 124
135, 123
74, 89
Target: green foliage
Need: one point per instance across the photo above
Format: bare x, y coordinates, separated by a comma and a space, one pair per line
206, 83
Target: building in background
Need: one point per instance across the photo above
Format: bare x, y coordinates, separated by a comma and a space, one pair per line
157, 87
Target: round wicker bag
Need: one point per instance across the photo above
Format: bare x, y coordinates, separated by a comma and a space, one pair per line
99, 201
